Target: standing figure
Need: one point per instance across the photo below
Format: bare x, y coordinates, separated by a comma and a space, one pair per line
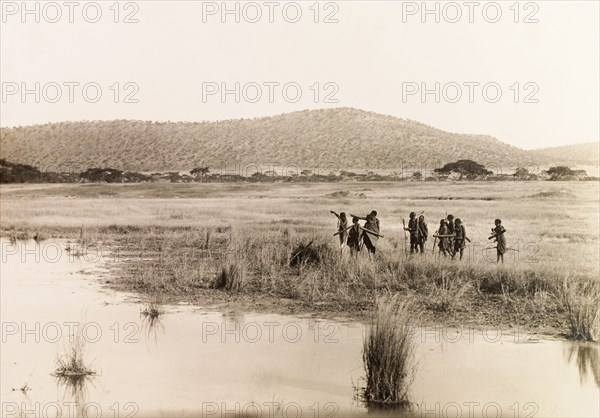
460, 236
370, 232
342, 228
412, 229
498, 232
422, 233
450, 225
354, 236
444, 237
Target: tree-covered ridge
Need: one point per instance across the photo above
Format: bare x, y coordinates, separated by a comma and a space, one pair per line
340, 138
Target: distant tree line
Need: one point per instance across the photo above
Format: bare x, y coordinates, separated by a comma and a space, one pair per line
461, 170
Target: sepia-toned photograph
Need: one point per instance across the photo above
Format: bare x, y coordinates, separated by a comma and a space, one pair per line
303, 208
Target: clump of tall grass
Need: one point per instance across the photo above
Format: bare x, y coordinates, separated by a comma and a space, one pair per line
581, 300
311, 253
73, 373
231, 277
74, 251
120, 229
447, 293
38, 237
151, 321
268, 259
388, 354
151, 310
306, 286
15, 236
207, 236
85, 238
72, 365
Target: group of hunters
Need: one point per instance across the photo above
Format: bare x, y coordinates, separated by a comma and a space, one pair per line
451, 236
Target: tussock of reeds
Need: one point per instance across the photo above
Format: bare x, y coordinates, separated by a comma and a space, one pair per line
231, 277
447, 293
581, 300
151, 321
152, 310
14, 236
311, 253
388, 354
71, 364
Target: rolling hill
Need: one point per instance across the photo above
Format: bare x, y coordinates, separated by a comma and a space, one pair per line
344, 137
587, 153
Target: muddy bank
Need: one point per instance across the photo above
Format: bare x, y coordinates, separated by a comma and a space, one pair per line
185, 274
457, 304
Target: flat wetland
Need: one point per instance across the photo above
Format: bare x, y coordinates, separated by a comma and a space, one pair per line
230, 245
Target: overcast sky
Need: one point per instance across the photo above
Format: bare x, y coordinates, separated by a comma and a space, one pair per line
377, 56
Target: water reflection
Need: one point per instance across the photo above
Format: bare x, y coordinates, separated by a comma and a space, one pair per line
586, 357
75, 391
378, 409
152, 326
386, 409
233, 317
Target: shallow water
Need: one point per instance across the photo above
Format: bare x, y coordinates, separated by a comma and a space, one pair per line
196, 362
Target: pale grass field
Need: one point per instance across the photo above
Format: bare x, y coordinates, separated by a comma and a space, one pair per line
558, 232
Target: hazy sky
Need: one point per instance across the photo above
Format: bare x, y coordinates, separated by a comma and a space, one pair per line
374, 57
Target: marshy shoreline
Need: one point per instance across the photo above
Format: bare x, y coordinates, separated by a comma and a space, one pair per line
181, 346
230, 248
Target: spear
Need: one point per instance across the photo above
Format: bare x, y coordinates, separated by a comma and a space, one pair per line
372, 232
495, 235
449, 236
404, 229
342, 230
